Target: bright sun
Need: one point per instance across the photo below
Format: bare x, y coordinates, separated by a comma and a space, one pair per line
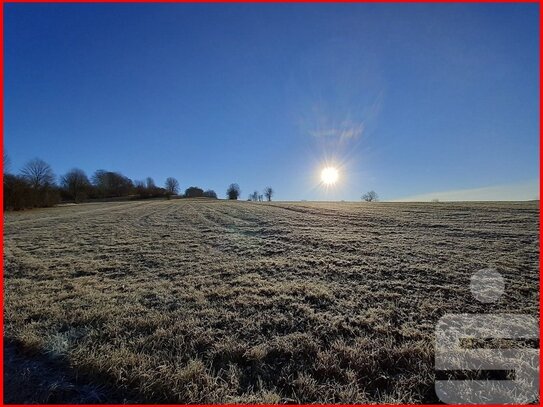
329, 175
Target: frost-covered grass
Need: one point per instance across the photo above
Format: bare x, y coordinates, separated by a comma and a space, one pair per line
199, 301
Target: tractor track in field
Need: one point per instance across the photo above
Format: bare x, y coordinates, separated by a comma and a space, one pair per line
208, 301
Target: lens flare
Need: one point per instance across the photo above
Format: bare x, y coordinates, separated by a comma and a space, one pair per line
329, 176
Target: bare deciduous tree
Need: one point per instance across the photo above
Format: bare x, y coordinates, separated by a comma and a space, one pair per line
172, 186
233, 191
268, 193
7, 164
150, 183
370, 196
38, 173
76, 184
111, 184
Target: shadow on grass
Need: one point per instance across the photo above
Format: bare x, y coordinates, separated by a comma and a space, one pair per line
31, 377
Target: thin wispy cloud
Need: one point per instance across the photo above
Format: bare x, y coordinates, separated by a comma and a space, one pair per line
524, 191
346, 131
341, 128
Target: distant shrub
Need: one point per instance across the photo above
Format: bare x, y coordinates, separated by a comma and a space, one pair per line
233, 191
210, 194
17, 193
20, 194
370, 196
148, 189
194, 192
108, 184
141, 189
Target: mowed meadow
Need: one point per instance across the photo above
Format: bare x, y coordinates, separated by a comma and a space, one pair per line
208, 301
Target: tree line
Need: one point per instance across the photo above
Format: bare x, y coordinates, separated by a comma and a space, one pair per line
256, 197
36, 186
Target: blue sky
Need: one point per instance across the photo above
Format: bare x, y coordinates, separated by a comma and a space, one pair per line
415, 100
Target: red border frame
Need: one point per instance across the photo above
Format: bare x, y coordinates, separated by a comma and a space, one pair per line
246, 1
270, 1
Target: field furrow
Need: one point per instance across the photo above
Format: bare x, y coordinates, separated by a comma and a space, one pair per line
202, 301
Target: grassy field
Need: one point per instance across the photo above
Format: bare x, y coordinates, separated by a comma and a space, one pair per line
211, 301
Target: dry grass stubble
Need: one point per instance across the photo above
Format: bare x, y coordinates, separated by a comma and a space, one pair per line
204, 301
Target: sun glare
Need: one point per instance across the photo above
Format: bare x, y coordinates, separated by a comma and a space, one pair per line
329, 175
